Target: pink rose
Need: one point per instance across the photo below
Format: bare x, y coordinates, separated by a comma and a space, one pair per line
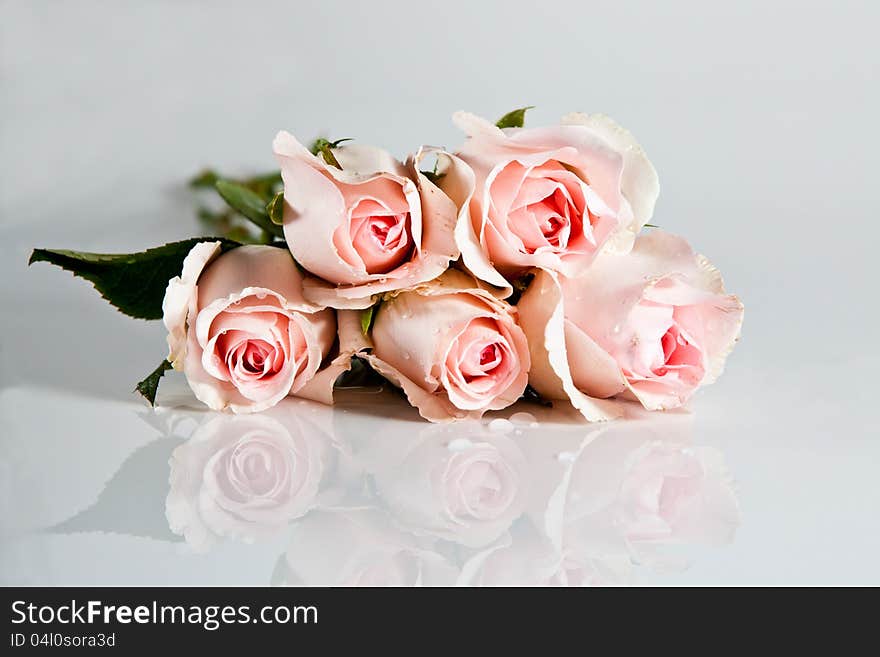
247, 477
551, 197
653, 325
454, 348
241, 331
370, 227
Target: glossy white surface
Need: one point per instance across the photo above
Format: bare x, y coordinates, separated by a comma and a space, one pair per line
767, 158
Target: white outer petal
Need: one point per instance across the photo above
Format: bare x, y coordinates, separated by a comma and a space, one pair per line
181, 296
639, 183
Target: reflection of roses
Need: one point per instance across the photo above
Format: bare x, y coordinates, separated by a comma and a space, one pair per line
530, 559
240, 329
454, 348
360, 547
631, 485
653, 325
371, 226
551, 197
245, 476
675, 495
461, 486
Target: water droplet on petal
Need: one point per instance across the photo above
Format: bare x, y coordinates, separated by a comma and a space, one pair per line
459, 445
566, 457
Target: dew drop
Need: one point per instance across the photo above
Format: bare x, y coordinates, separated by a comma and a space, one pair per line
459, 445
566, 457
525, 419
500, 425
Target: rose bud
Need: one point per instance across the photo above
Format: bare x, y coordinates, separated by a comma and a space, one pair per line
241, 331
653, 325
246, 477
369, 227
454, 348
551, 197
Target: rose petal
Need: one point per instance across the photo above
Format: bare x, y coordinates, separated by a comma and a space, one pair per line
542, 319
351, 341
180, 297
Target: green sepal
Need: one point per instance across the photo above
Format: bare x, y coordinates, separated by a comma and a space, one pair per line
514, 119
150, 385
275, 209
324, 148
368, 316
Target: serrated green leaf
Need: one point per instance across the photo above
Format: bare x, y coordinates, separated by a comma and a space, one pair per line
275, 209
133, 282
248, 204
514, 119
150, 385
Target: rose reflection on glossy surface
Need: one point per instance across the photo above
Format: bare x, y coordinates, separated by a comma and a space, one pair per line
247, 477
366, 500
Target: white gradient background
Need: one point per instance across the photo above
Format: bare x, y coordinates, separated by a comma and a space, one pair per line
761, 118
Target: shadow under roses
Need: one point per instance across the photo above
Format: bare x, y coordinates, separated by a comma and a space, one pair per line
360, 498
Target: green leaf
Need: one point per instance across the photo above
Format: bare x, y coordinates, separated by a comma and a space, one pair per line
275, 209
150, 385
263, 184
651, 226
514, 119
133, 282
204, 179
248, 204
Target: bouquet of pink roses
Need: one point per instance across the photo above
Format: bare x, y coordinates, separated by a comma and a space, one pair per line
515, 266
